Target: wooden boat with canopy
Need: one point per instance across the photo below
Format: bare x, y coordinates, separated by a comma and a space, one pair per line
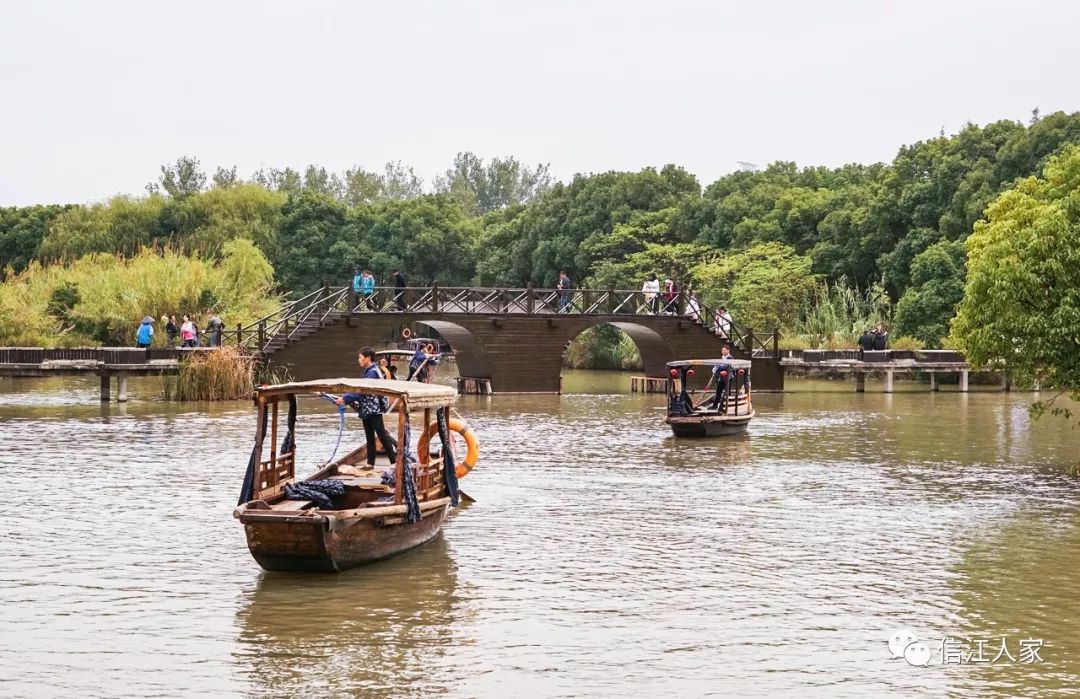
723, 404
355, 514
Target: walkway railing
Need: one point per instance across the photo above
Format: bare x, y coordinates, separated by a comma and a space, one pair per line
326, 304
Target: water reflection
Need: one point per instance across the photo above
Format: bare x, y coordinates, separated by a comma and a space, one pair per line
365, 632
603, 557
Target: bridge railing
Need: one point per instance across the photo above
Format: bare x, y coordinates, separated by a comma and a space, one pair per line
322, 304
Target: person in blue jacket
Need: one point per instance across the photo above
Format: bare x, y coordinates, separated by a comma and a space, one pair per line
145, 336
423, 358
370, 408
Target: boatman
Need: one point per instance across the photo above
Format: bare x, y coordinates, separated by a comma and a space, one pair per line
370, 408
721, 381
421, 360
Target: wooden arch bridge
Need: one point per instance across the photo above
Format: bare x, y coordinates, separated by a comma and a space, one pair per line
514, 337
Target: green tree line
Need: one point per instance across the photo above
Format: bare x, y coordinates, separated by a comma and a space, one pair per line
805, 248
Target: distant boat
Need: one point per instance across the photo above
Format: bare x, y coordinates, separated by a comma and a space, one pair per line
723, 406
368, 520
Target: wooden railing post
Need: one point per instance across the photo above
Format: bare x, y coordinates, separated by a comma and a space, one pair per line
750, 341
262, 333
530, 298
324, 304
435, 297
239, 335
776, 343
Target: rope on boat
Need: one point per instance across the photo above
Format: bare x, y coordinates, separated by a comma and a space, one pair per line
341, 425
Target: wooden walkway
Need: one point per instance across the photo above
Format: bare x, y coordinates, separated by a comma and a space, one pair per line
106, 362
888, 363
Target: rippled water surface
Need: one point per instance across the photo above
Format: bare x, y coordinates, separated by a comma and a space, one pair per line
601, 558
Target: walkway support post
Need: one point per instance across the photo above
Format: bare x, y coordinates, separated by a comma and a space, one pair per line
121, 387
888, 381
964, 381
1006, 385
933, 381
860, 382
105, 387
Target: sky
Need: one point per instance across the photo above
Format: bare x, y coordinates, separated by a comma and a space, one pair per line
95, 96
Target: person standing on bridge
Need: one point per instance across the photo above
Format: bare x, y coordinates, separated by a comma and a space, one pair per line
651, 289
722, 323
188, 333
367, 289
145, 337
399, 290
172, 330
564, 292
216, 326
370, 408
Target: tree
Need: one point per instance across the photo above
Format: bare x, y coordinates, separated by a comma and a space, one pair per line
400, 182
937, 286
481, 188
764, 287
21, 232
225, 178
180, 179
1021, 305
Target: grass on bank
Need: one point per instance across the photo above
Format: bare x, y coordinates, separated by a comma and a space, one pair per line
221, 374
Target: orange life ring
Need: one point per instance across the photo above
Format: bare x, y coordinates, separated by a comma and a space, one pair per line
472, 454
406, 333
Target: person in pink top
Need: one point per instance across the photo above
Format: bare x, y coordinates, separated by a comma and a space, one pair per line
187, 333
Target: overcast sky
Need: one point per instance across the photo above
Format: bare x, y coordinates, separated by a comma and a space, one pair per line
95, 96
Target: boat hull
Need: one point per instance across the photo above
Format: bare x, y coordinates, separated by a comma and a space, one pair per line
320, 543
709, 426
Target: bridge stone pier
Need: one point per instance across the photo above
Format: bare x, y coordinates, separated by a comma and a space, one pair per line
519, 353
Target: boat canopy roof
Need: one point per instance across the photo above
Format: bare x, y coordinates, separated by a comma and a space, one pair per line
395, 353
416, 394
736, 363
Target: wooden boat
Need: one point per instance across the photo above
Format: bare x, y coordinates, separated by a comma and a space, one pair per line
726, 409
371, 520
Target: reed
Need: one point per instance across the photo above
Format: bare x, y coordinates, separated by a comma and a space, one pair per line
838, 314
224, 373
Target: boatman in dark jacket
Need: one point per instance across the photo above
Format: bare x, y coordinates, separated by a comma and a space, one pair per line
370, 408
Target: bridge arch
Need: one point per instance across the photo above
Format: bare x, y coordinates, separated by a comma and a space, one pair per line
472, 360
655, 351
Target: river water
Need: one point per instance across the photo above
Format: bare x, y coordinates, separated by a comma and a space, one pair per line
602, 557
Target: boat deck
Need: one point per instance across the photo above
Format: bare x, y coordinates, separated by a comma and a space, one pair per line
356, 477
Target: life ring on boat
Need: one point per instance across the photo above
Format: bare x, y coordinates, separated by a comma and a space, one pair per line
406, 333
472, 444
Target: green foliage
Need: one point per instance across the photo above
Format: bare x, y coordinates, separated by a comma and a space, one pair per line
21, 232
180, 179
763, 287
602, 347
937, 286
905, 342
837, 314
100, 299
480, 188
1021, 305
629, 272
